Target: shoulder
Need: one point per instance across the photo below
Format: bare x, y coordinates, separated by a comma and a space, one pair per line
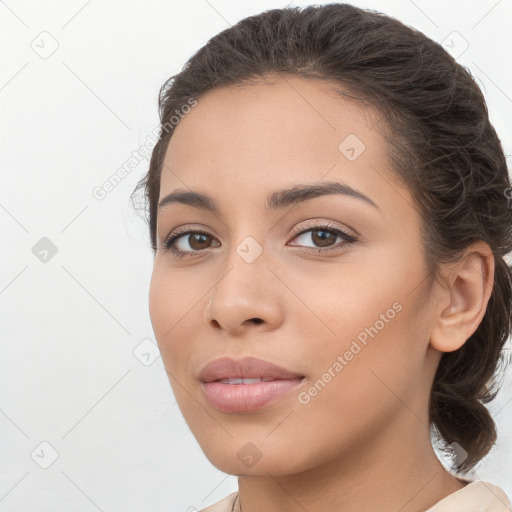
224, 505
478, 496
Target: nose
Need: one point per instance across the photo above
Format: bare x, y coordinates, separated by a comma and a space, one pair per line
247, 296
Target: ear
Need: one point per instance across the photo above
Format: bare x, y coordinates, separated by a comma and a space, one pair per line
462, 300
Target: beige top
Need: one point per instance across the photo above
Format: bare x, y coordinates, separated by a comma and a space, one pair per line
477, 496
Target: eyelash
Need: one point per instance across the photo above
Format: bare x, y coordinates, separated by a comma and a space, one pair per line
168, 245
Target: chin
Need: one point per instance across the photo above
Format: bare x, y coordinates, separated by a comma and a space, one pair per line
245, 458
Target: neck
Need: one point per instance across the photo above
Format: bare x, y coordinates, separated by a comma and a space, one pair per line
384, 474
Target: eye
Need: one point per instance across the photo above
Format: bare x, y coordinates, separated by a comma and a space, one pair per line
197, 240
324, 235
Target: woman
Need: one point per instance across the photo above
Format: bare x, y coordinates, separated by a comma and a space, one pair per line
329, 216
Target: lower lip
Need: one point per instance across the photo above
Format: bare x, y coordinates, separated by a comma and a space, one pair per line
247, 397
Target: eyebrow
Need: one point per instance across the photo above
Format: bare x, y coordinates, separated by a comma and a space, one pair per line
276, 200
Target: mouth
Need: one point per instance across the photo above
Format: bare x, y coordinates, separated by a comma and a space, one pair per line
245, 385
246, 368
244, 381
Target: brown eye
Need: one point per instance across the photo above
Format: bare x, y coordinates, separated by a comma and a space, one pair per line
195, 240
324, 236
324, 239
199, 241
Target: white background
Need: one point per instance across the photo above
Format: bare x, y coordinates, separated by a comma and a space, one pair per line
70, 326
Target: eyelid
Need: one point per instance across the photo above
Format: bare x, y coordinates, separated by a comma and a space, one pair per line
310, 224
348, 239
319, 224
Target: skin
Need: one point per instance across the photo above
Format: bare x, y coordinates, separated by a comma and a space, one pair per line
362, 442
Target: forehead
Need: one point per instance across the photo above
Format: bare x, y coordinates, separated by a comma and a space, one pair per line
292, 109
273, 134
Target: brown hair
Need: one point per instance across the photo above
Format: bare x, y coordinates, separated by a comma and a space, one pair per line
441, 143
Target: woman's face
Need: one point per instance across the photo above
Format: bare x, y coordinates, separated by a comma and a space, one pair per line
348, 316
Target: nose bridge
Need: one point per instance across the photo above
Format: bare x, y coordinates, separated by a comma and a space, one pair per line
245, 267
248, 240
247, 287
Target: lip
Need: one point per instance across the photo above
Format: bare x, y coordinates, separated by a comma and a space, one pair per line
246, 397
245, 368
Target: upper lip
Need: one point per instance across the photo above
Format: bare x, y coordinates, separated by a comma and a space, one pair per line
248, 367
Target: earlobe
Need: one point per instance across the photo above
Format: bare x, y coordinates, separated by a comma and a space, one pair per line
463, 299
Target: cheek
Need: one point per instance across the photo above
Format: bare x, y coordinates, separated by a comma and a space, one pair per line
372, 316
381, 374
357, 388
160, 304
173, 310
172, 306
343, 300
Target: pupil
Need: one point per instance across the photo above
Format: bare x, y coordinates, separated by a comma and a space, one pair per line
198, 238
324, 239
